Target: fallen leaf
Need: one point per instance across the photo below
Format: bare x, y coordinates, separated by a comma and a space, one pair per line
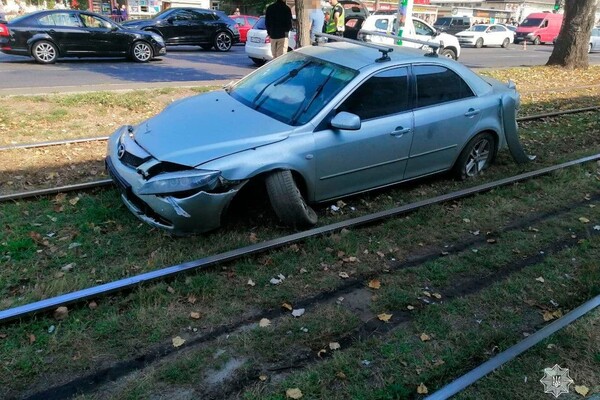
192, 299
195, 315
350, 260
437, 295
344, 275
422, 389
384, 317
264, 323
31, 338
380, 254
170, 290
409, 307
178, 341
303, 270
425, 337
582, 390
293, 393
61, 313
298, 313
341, 375
334, 346
491, 241
93, 305
375, 284
427, 294
321, 352
294, 248
262, 378
253, 238
466, 220
584, 220
251, 282
287, 306
540, 279
74, 201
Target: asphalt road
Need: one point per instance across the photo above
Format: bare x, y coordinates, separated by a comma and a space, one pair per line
188, 65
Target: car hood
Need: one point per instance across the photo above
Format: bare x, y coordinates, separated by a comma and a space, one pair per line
203, 128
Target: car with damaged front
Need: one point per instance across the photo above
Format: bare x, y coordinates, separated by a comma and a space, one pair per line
311, 126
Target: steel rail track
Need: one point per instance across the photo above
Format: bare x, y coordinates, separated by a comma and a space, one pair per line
130, 282
101, 138
56, 190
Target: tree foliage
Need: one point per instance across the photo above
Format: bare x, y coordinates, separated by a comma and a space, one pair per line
572, 44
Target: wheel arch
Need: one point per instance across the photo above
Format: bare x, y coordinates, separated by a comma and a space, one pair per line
36, 38
493, 132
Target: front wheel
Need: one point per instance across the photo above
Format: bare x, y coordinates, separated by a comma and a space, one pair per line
505, 42
448, 53
141, 52
479, 43
44, 52
223, 41
536, 41
287, 201
477, 156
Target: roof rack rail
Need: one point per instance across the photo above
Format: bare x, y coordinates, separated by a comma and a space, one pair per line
381, 47
437, 47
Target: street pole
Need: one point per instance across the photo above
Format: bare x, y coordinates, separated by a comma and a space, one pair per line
405, 8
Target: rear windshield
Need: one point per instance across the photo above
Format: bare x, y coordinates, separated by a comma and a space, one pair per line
260, 24
531, 22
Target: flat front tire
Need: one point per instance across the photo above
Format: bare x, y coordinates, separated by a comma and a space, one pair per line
223, 41
477, 156
448, 53
505, 42
479, 43
44, 52
287, 201
141, 52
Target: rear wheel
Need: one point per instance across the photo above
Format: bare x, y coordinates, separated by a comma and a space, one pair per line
287, 201
536, 41
477, 155
449, 53
505, 42
223, 41
257, 61
479, 43
44, 52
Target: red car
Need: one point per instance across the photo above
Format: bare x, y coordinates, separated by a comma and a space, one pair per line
245, 23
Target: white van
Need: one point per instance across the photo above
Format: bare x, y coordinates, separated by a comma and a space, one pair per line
418, 29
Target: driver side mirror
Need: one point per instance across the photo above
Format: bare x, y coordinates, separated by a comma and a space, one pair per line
347, 121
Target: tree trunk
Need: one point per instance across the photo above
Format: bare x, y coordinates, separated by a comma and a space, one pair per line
303, 32
571, 49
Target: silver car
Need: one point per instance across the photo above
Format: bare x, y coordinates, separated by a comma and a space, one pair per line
313, 125
594, 40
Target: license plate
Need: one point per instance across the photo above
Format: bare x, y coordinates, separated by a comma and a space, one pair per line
255, 39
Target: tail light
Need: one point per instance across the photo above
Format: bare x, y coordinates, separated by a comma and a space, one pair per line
3, 30
268, 39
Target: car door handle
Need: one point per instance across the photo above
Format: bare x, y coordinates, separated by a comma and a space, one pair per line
399, 131
472, 112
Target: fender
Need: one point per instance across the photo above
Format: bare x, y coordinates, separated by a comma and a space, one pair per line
511, 132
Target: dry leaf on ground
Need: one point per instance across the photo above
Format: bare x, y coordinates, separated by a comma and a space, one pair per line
262, 378
344, 275
287, 306
251, 282
384, 317
195, 315
178, 341
293, 393
584, 220
61, 313
582, 390
264, 323
540, 279
422, 389
375, 284
425, 337
334, 346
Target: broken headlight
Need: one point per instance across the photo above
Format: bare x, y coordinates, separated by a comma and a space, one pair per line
182, 181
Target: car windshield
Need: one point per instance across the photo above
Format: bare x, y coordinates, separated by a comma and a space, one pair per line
443, 22
293, 88
531, 22
478, 28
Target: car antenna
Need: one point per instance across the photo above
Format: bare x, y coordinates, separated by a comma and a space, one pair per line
383, 49
437, 47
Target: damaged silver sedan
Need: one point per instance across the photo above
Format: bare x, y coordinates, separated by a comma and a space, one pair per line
314, 125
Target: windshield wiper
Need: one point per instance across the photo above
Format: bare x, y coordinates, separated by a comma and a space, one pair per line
301, 110
276, 82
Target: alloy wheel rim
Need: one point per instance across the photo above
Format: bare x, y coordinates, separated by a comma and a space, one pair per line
478, 157
223, 41
142, 52
45, 52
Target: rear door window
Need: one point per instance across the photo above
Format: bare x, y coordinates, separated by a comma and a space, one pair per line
60, 19
437, 84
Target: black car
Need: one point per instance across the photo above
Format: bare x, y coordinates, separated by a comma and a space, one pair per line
192, 26
48, 35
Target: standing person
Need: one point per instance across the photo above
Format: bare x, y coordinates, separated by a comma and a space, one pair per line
278, 20
317, 20
124, 13
236, 12
59, 5
336, 23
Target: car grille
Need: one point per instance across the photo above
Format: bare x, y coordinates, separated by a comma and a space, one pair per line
133, 160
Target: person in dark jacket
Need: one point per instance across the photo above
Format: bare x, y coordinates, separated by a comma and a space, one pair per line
278, 20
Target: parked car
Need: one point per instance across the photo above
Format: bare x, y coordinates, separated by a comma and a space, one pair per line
191, 26
539, 28
258, 45
313, 125
594, 44
52, 34
417, 29
244, 23
453, 25
486, 35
